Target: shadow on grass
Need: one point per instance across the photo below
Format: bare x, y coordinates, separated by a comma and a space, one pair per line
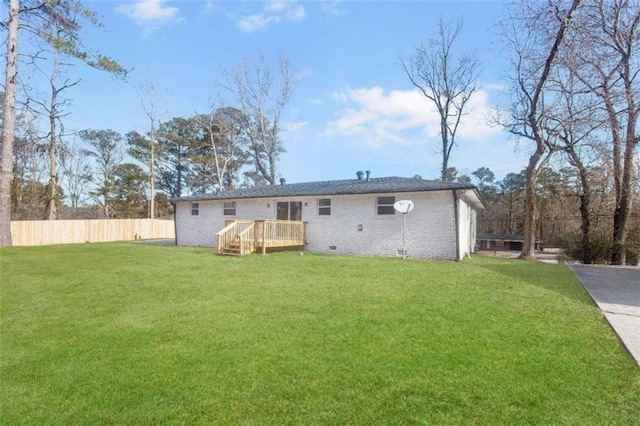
555, 278
158, 242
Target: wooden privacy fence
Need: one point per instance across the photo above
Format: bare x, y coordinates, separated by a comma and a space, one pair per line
44, 232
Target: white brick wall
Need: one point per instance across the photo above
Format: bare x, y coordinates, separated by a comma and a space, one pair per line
430, 226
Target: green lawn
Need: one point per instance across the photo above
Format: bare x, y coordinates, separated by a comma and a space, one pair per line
137, 334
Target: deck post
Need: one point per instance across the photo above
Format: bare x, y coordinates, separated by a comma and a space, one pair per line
304, 236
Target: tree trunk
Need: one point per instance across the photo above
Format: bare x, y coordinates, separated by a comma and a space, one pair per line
585, 205
529, 234
624, 191
530, 209
623, 204
9, 122
587, 249
51, 211
585, 201
152, 174
445, 146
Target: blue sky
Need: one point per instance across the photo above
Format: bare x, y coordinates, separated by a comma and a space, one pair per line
353, 109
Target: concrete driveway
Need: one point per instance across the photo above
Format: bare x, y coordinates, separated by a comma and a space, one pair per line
616, 291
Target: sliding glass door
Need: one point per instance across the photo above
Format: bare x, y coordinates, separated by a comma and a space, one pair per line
289, 210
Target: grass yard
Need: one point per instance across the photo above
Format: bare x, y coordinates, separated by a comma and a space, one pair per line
126, 333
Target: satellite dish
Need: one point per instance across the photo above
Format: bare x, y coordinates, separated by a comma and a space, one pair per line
403, 206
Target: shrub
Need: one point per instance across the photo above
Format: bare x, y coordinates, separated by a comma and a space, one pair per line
633, 246
601, 245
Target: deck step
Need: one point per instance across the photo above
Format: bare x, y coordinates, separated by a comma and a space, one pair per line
232, 249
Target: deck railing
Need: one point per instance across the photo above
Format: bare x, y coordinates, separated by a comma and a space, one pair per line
225, 237
233, 232
247, 240
252, 235
280, 233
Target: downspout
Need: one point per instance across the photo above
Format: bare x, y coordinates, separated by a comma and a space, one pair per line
175, 222
456, 214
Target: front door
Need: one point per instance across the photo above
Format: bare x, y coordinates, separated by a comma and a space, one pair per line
289, 210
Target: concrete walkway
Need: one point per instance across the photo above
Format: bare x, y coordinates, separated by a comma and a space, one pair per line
616, 291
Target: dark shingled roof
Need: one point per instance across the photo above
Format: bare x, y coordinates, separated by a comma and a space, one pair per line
331, 187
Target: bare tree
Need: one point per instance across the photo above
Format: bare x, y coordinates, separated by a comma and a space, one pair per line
76, 175
147, 91
61, 35
104, 147
53, 110
226, 140
262, 97
610, 68
9, 121
575, 124
534, 32
28, 194
444, 80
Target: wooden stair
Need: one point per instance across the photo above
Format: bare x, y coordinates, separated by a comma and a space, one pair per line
231, 249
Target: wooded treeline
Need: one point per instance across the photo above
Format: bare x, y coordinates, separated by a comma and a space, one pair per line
106, 174
558, 195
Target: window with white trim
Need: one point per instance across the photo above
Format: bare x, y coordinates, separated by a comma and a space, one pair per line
195, 209
384, 205
324, 206
229, 208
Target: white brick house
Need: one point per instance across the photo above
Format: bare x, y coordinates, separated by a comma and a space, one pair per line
353, 216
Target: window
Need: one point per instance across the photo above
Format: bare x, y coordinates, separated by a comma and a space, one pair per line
195, 209
324, 207
229, 208
385, 205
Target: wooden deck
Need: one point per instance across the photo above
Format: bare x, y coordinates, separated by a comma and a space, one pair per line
241, 237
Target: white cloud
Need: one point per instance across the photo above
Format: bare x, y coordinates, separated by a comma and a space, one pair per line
275, 6
295, 125
209, 7
296, 13
272, 13
498, 87
257, 22
332, 7
148, 10
478, 124
401, 117
305, 73
150, 14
